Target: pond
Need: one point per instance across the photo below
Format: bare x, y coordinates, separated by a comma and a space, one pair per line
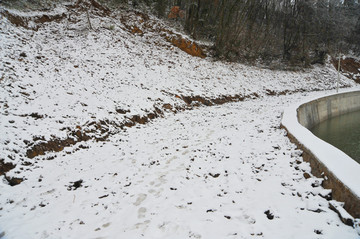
343, 132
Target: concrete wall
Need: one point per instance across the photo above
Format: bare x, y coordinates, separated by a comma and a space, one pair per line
314, 112
339, 172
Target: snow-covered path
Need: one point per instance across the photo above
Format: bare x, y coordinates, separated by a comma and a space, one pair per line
213, 172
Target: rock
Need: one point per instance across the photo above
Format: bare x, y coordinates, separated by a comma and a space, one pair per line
214, 175
75, 185
345, 217
326, 193
357, 225
269, 215
316, 184
13, 181
5, 167
121, 111
167, 106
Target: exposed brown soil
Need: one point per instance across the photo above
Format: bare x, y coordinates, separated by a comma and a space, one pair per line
145, 24
81, 6
13, 181
4, 168
350, 67
188, 46
86, 5
22, 21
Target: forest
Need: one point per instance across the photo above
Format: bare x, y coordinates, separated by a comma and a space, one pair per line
294, 32
270, 32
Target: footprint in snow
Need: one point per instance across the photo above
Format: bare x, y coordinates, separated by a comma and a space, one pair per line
141, 197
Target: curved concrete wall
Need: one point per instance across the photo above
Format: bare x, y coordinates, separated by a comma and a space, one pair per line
340, 172
316, 111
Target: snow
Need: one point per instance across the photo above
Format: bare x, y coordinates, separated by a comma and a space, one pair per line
344, 167
206, 172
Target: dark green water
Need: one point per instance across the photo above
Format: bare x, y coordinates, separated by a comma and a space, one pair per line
343, 132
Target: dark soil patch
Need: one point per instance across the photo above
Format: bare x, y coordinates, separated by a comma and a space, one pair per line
23, 21
80, 6
269, 215
33, 115
5, 167
75, 185
121, 111
143, 24
349, 67
86, 5
13, 181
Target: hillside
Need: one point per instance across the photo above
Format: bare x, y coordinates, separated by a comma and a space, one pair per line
110, 130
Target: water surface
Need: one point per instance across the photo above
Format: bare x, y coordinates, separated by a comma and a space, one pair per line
343, 132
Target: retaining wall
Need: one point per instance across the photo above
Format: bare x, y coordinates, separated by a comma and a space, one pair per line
340, 172
319, 110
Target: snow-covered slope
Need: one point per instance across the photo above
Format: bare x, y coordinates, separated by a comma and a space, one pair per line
210, 172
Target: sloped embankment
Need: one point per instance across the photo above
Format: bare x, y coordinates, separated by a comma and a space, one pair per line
349, 67
82, 72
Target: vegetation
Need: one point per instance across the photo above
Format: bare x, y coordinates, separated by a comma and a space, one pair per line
272, 32
295, 32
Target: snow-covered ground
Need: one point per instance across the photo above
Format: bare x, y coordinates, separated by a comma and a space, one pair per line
209, 172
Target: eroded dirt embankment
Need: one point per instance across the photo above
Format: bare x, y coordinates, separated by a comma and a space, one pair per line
349, 67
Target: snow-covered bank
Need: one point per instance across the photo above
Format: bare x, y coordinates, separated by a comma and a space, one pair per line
340, 171
214, 172
67, 77
211, 172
